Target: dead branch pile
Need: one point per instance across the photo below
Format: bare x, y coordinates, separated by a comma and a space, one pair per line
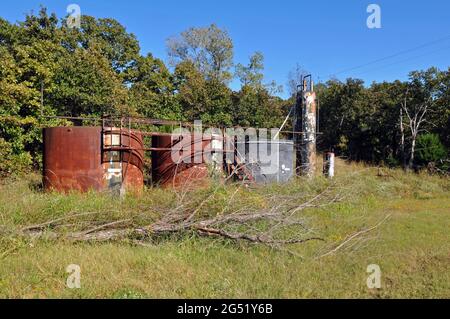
280, 222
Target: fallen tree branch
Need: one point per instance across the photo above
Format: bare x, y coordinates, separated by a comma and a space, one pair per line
55, 221
107, 225
255, 239
353, 236
279, 223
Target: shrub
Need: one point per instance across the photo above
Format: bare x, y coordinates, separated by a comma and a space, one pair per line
11, 163
430, 149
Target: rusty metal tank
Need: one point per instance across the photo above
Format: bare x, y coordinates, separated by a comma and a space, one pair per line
83, 158
179, 160
123, 159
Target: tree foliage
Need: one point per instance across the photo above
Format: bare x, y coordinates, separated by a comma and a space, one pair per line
47, 69
251, 75
430, 149
210, 49
363, 123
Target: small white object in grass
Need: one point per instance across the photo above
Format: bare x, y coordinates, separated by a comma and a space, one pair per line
374, 279
74, 279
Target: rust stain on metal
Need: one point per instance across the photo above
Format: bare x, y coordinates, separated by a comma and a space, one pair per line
123, 159
309, 135
73, 158
80, 158
305, 124
190, 169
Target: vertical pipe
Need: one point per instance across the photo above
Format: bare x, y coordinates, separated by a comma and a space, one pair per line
298, 114
217, 152
309, 133
328, 164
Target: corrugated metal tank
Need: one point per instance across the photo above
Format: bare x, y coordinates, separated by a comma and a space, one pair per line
83, 158
187, 171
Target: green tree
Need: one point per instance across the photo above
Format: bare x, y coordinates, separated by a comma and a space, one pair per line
108, 36
85, 84
439, 117
203, 99
384, 99
430, 149
210, 49
251, 75
29, 53
419, 101
192, 90
342, 117
360, 122
256, 107
219, 104
152, 92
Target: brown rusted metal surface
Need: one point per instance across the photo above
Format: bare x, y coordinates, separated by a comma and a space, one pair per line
78, 158
123, 154
190, 169
72, 158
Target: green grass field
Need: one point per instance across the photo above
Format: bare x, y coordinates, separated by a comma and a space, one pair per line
411, 246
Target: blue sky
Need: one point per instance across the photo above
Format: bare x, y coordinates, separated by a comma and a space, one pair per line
324, 37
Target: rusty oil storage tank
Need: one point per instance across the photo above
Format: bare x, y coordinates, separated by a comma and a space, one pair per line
186, 160
83, 158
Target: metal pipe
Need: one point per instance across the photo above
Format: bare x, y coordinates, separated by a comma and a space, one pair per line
328, 164
308, 155
306, 127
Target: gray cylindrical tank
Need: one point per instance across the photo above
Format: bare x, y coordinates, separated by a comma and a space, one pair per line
269, 160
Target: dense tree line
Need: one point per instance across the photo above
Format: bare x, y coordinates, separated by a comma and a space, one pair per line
47, 68
379, 123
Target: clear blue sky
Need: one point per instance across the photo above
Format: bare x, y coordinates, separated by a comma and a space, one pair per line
324, 37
